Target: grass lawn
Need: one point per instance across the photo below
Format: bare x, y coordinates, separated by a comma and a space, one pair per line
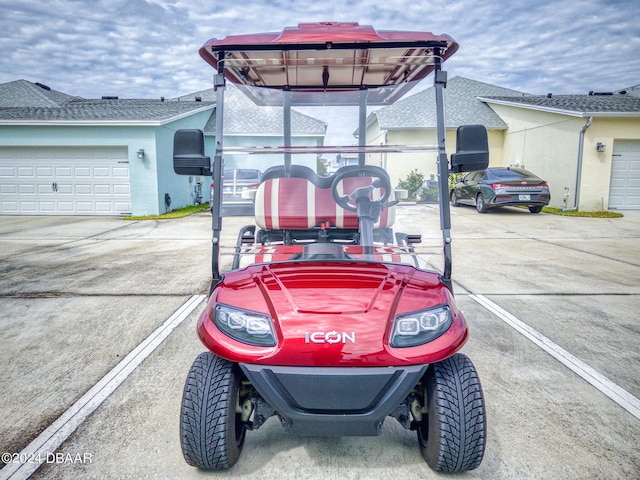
178, 213
576, 213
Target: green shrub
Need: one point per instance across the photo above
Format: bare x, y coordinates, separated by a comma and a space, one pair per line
412, 184
430, 194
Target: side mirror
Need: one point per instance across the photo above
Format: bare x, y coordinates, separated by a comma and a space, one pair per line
188, 153
472, 149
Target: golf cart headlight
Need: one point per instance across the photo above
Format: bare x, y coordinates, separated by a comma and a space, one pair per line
248, 327
418, 328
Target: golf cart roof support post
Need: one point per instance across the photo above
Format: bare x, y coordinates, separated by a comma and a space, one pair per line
286, 100
216, 204
440, 81
362, 125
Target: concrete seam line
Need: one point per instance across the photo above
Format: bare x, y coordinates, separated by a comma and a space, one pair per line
54, 435
616, 393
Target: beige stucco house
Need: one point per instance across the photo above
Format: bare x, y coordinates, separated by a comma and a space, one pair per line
586, 146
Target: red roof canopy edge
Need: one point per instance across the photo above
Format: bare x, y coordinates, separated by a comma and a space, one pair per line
322, 33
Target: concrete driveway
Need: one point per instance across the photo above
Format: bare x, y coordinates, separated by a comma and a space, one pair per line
552, 304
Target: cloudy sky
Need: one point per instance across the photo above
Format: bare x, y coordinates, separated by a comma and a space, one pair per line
148, 48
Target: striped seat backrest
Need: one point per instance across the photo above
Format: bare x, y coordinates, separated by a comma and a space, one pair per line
297, 203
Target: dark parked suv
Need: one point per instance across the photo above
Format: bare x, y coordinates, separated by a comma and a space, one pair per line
499, 187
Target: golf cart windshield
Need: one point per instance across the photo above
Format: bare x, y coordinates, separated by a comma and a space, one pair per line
347, 214
344, 211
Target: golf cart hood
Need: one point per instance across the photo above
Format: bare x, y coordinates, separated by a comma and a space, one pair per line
331, 313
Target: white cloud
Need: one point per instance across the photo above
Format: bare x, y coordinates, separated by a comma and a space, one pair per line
138, 48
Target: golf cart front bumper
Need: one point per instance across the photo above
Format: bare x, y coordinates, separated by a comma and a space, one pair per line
333, 401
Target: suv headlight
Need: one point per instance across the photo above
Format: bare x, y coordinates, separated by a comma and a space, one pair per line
248, 327
417, 328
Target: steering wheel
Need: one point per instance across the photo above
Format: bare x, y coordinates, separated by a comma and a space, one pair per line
380, 180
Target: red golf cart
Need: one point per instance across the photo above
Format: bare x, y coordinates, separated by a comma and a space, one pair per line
326, 319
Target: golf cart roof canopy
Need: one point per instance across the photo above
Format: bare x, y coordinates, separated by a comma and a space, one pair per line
328, 63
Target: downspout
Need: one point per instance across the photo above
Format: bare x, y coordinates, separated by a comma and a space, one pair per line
579, 169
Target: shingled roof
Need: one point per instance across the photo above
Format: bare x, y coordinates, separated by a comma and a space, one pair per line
592, 105
80, 111
633, 91
243, 117
22, 93
460, 102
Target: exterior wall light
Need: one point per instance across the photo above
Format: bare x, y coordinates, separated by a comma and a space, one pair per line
600, 147
141, 153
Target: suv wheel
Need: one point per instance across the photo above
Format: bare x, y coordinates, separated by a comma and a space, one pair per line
211, 432
536, 209
452, 435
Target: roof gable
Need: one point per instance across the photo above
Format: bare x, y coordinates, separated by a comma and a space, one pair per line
243, 117
634, 91
460, 102
21, 93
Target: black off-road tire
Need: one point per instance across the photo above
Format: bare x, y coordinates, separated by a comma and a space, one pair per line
481, 204
452, 436
211, 432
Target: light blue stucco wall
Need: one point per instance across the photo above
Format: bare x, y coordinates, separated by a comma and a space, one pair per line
150, 177
178, 187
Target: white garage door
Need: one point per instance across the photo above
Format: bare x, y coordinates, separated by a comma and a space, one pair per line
64, 181
625, 175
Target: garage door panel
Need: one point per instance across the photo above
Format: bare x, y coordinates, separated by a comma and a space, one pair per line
23, 154
103, 189
31, 206
63, 172
105, 154
103, 207
83, 189
624, 191
84, 207
64, 189
26, 172
9, 206
43, 188
121, 190
66, 207
7, 171
120, 172
101, 172
64, 181
42, 172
